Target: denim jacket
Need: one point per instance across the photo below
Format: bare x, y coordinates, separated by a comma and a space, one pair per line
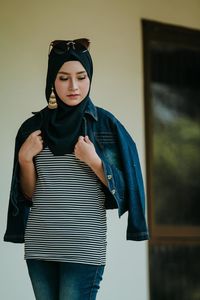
121, 166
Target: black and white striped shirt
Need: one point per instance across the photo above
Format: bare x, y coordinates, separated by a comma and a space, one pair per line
67, 221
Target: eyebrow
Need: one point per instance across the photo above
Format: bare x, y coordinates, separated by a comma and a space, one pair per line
65, 73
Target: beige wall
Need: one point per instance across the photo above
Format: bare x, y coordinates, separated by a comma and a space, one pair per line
114, 27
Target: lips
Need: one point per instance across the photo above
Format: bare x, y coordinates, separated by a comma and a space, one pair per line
73, 95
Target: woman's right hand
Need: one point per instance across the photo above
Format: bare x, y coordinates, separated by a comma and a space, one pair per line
31, 147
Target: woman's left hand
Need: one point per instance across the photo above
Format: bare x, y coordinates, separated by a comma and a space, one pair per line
85, 151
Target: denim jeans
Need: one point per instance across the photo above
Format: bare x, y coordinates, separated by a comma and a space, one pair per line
64, 280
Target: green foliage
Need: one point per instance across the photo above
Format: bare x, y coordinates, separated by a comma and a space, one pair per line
176, 165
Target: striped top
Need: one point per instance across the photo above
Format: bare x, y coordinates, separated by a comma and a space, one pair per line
67, 221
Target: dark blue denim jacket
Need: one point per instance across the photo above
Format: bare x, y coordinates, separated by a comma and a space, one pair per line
121, 166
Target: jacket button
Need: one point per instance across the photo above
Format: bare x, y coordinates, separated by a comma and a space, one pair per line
113, 191
109, 177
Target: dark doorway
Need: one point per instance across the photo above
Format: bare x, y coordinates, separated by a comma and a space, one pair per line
172, 122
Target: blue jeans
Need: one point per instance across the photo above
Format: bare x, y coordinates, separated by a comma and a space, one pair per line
64, 280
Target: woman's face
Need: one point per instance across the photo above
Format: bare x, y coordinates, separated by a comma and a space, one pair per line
72, 83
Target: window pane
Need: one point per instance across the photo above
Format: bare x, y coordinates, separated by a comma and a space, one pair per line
175, 92
174, 272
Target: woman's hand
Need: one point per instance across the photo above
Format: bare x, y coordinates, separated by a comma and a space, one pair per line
85, 151
31, 147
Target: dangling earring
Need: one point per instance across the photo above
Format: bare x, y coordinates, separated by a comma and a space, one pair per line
52, 100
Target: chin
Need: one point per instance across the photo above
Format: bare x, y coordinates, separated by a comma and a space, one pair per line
72, 102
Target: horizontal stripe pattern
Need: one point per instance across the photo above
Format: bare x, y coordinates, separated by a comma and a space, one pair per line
67, 221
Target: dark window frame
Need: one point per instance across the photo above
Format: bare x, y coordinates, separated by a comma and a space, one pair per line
189, 38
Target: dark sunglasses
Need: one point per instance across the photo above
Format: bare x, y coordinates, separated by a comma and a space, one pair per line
61, 46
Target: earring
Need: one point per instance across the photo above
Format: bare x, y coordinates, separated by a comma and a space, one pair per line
52, 100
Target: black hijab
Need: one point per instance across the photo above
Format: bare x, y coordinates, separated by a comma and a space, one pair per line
63, 125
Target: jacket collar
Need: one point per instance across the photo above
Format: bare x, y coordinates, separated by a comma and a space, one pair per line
91, 110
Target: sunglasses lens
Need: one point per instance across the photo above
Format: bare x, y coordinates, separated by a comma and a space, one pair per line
60, 48
80, 47
82, 44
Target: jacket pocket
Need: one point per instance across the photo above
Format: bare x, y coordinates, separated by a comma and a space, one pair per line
105, 137
108, 144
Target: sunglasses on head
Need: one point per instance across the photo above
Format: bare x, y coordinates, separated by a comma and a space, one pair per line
61, 46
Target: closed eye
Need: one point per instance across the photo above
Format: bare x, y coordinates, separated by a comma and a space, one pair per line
63, 78
82, 77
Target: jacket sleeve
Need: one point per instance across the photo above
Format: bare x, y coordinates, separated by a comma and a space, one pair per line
134, 187
18, 205
116, 186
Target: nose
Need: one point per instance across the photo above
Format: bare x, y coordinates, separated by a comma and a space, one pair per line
73, 85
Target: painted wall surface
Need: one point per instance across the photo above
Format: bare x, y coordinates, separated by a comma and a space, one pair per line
114, 27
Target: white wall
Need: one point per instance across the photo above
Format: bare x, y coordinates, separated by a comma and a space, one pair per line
26, 28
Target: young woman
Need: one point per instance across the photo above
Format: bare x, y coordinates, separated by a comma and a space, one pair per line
73, 161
